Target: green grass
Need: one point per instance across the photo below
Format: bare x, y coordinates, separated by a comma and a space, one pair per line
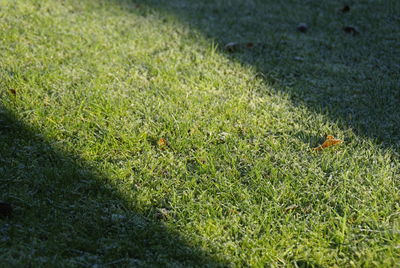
97, 84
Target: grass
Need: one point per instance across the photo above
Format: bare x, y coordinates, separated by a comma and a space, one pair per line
98, 83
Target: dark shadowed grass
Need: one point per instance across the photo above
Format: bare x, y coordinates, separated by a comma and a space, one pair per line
66, 213
89, 87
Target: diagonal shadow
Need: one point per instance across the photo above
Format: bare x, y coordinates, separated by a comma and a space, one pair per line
280, 54
352, 79
66, 214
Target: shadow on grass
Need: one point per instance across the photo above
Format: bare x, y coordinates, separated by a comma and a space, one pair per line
65, 213
349, 78
72, 215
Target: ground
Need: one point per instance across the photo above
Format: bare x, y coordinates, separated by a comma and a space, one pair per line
131, 135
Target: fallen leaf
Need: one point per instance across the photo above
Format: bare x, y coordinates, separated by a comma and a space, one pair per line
5, 210
162, 142
302, 27
345, 9
13, 91
330, 141
249, 45
350, 30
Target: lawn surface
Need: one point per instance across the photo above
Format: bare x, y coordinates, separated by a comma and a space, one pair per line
87, 89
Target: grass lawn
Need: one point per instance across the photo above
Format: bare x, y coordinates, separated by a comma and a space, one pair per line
88, 88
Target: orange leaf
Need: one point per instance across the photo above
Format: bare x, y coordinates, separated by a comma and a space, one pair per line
162, 142
330, 141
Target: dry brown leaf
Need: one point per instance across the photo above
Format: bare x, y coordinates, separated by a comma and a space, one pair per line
351, 30
345, 9
5, 210
249, 45
302, 27
162, 142
13, 91
330, 141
